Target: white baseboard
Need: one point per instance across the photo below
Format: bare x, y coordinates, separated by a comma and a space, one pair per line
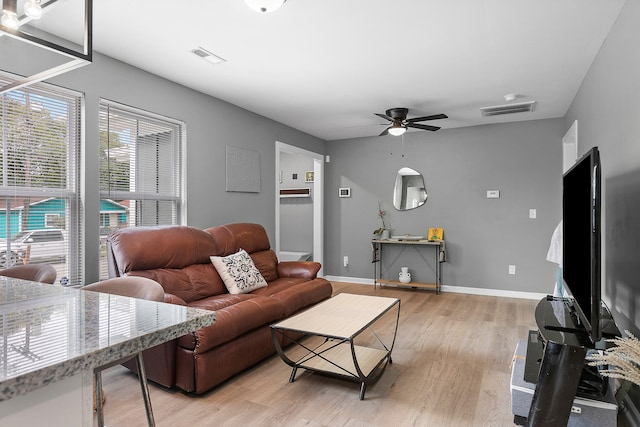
349, 280
454, 289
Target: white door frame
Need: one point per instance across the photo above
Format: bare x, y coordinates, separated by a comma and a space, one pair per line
570, 147
318, 198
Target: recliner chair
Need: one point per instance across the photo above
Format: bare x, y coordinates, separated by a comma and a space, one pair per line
43, 273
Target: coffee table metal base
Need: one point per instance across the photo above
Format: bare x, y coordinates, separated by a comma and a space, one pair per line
340, 356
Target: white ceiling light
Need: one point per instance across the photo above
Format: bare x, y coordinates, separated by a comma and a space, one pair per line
397, 129
264, 6
33, 9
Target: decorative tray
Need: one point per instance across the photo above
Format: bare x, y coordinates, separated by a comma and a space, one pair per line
407, 237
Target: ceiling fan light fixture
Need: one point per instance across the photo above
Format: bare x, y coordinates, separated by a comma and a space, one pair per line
265, 6
33, 9
397, 129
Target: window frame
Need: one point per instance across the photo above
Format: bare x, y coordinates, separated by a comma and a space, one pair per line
73, 192
181, 127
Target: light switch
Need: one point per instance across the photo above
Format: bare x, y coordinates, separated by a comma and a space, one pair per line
493, 194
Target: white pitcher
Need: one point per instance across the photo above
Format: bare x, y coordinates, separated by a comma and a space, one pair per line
404, 276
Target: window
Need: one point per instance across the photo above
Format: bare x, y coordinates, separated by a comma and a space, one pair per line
141, 172
40, 215
51, 220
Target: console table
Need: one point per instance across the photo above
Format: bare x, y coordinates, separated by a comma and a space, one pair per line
53, 337
377, 245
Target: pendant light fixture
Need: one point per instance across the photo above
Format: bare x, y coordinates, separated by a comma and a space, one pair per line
264, 6
33, 9
9, 16
12, 23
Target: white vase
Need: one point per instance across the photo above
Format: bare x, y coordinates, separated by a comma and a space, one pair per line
385, 234
404, 276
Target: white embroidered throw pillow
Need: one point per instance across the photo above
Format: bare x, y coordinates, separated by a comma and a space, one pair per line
238, 272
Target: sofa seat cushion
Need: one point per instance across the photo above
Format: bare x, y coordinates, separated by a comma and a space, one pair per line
278, 285
233, 320
295, 293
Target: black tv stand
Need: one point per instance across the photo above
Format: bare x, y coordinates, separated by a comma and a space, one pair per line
564, 329
565, 344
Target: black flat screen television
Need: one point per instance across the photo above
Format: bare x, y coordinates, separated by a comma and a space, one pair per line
581, 240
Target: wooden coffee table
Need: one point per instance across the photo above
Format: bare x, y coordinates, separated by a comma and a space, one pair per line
349, 346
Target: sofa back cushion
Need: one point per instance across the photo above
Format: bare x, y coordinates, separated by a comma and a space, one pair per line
267, 264
253, 238
177, 257
191, 283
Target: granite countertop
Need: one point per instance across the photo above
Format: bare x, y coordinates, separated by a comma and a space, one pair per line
51, 332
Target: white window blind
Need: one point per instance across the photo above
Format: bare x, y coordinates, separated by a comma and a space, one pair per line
141, 176
40, 209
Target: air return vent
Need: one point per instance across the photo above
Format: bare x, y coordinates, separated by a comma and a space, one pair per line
497, 110
208, 56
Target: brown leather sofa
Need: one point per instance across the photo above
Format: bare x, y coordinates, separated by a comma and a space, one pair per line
177, 257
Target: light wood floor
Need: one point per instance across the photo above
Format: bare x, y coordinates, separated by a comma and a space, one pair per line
451, 367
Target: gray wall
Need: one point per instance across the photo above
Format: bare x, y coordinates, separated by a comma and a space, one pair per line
483, 236
296, 213
212, 124
607, 108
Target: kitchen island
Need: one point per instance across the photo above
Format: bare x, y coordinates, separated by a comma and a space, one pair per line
54, 337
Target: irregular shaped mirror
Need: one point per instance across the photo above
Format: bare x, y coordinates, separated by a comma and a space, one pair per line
410, 191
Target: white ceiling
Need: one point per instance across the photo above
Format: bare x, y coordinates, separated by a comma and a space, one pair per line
325, 66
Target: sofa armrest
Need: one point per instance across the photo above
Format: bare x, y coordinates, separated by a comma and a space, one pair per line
302, 269
172, 299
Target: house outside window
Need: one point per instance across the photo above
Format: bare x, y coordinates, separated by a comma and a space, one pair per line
141, 171
40, 215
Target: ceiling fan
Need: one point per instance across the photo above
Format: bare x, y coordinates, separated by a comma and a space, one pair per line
400, 123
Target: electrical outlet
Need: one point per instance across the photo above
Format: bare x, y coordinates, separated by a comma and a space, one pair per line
532, 213
493, 194
512, 269
346, 260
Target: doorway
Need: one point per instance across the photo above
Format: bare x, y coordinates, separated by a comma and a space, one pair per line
314, 182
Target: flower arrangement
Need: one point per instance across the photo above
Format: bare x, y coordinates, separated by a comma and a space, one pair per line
622, 360
381, 214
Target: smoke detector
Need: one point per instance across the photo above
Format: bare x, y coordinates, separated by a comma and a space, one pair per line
518, 107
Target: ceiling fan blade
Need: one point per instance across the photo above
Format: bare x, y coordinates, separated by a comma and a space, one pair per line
385, 132
423, 127
384, 116
425, 118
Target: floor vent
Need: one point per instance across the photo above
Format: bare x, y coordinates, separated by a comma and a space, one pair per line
497, 110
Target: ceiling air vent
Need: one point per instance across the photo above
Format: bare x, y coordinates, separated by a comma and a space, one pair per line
497, 110
208, 56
